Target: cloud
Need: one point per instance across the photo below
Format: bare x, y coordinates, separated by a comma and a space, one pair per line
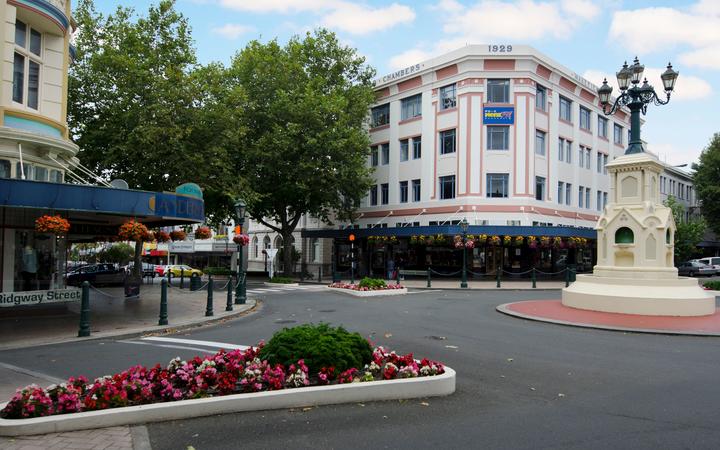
583, 9
232, 30
673, 154
360, 19
686, 88
277, 6
447, 6
408, 58
697, 27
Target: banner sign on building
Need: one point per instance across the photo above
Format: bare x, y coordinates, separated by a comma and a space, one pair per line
498, 115
25, 298
182, 247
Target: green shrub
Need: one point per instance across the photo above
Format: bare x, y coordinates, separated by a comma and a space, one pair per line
218, 271
372, 283
281, 280
320, 346
714, 285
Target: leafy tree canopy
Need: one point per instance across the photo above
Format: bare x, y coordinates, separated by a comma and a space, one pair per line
688, 233
707, 183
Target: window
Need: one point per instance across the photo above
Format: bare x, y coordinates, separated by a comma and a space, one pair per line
540, 97
447, 142
598, 201
497, 185
498, 91
385, 154
5, 167
513, 223
561, 149
416, 190
565, 109
618, 132
602, 127
403, 192
373, 156
41, 174
585, 118
404, 150
256, 247
373, 195
599, 162
384, 193
447, 187
539, 188
26, 67
568, 193
447, 97
315, 246
498, 137
380, 115
581, 196
587, 197
539, 142
411, 107
561, 192
605, 161
417, 147
588, 158
581, 156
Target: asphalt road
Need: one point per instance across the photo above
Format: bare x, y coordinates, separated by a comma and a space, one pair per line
520, 384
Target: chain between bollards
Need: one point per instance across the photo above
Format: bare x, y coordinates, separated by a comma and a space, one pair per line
209, 306
229, 301
534, 279
84, 330
163, 302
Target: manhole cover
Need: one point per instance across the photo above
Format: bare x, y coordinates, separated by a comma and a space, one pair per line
326, 310
286, 321
437, 338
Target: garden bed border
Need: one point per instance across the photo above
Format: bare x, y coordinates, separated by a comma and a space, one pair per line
373, 293
406, 388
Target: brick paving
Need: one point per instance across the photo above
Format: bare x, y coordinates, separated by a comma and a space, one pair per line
114, 438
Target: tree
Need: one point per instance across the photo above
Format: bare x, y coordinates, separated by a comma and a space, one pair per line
142, 110
707, 183
305, 149
688, 233
119, 253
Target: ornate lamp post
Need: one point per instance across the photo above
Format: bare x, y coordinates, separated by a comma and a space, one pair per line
464, 227
240, 290
635, 97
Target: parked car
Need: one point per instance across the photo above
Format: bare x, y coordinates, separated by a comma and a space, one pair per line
187, 271
159, 270
97, 274
694, 268
148, 270
713, 261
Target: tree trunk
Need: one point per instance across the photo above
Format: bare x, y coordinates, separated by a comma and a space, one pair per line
287, 254
137, 266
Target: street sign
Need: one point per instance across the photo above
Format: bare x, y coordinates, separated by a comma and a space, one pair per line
9, 299
271, 252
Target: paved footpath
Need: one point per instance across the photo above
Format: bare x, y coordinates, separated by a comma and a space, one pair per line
115, 438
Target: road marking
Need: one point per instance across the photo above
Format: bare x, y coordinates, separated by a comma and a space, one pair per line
212, 344
32, 373
182, 347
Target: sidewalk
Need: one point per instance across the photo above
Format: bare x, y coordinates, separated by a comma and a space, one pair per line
111, 315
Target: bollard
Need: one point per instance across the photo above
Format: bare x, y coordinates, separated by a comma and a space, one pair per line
182, 277
397, 277
497, 277
84, 330
319, 274
567, 277
163, 302
534, 279
429, 279
229, 302
209, 307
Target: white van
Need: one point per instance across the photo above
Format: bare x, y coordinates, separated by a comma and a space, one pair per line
713, 262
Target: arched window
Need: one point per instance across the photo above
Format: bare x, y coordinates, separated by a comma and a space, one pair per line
255, 247
668, 237
624, 235
266, 242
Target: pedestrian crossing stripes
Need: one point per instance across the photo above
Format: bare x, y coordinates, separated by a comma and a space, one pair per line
284, 289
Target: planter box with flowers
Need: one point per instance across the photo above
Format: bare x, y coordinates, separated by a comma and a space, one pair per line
226, 382
368, 287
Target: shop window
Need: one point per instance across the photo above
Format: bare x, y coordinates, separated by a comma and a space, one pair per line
41, 174
57, 177
5, 168
23, 171
624, 235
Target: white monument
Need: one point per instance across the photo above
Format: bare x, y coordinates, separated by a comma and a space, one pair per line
635, 273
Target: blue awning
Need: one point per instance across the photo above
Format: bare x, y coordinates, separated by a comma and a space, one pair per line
499, 230
157, 206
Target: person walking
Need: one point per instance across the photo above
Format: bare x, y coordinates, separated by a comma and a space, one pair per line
390, 268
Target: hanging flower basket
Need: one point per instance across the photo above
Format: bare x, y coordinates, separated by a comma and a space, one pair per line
482, 239
241, 239
133, 230
470, 244
495, 240
52, 224
545, 242
507, 241
558, 242
532, 242
519, 241
162, 236
178, 235
203, 233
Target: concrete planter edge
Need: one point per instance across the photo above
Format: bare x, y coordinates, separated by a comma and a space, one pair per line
377, 293
267, 283
434, 386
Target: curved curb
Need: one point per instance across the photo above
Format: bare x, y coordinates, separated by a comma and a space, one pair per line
433, 386
375, 293
504, 309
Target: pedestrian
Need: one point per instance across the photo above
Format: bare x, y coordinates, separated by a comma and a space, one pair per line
390, 268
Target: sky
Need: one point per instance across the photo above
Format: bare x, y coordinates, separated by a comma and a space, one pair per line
591, 37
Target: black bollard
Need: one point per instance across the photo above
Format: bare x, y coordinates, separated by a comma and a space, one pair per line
319, 274
163, 302
497, 277
534, 279
567, 277
209, 307
429, 277
182, 277
84, 330
229, 302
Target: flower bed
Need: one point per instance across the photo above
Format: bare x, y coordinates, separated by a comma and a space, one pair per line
221, 374
358, 290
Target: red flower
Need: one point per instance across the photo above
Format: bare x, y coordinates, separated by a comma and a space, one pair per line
52, 224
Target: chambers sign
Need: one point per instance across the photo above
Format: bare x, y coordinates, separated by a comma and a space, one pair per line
24, 298
499, 115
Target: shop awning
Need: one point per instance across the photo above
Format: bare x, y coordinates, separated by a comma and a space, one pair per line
499, 230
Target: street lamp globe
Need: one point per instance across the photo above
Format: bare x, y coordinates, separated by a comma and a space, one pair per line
604, 92
624, 76
668, 78
240, 206
464, 225
637, 71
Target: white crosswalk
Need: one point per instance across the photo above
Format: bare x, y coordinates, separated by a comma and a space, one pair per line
284, 289
209, 347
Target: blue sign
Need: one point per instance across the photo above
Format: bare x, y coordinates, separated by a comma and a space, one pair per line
191, 189
499, 115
